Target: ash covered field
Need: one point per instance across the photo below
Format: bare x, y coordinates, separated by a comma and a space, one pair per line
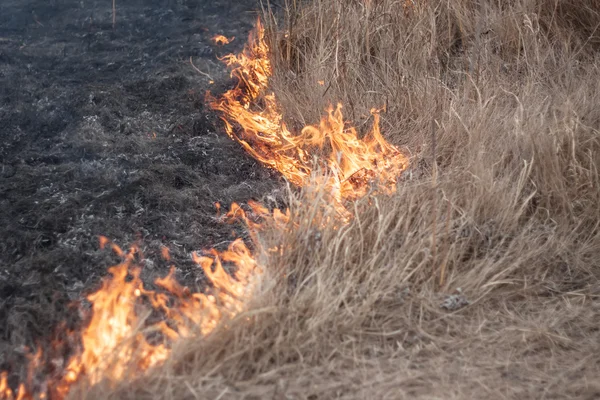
106, 132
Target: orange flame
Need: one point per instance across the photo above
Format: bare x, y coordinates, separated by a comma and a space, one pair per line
222, 40
352, 166
116, 342
120, 338
5, 391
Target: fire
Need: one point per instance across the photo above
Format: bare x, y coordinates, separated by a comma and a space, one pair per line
259, 213
119, 340
350, 166
5, 391
122, 337
222, 40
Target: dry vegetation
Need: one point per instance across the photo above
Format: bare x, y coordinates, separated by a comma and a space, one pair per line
497, 104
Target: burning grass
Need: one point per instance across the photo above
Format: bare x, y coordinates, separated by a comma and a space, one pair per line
497, 103
476, 272
222, 40
349, 166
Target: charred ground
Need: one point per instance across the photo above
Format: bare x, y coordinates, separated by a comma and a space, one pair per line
106, 132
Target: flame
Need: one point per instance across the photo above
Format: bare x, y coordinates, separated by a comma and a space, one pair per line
351, 166
5, 391
119, 340
121, 337
114, 340
254, 219
222, 40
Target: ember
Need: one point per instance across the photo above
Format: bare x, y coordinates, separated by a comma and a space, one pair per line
222, 40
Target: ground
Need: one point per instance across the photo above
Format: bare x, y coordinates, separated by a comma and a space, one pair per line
106, 132
477, 278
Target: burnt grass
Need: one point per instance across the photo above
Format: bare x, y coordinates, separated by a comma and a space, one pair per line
106, 132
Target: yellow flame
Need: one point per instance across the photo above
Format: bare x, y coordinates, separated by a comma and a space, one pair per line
117, 340
222, 40
351, 166
113, 341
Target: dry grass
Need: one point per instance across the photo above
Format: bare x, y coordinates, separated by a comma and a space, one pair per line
497, 102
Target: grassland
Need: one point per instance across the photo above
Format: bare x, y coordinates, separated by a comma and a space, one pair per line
479, 277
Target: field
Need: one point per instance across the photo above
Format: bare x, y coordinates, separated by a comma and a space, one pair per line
462, 262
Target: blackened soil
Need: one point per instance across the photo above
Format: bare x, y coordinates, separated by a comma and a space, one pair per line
106, 132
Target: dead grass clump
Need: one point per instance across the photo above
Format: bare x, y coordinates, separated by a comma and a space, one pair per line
355, 312
496, 220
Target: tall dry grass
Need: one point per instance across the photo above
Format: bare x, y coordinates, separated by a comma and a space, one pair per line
497, 103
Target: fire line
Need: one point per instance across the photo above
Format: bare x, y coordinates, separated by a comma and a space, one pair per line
116, 342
